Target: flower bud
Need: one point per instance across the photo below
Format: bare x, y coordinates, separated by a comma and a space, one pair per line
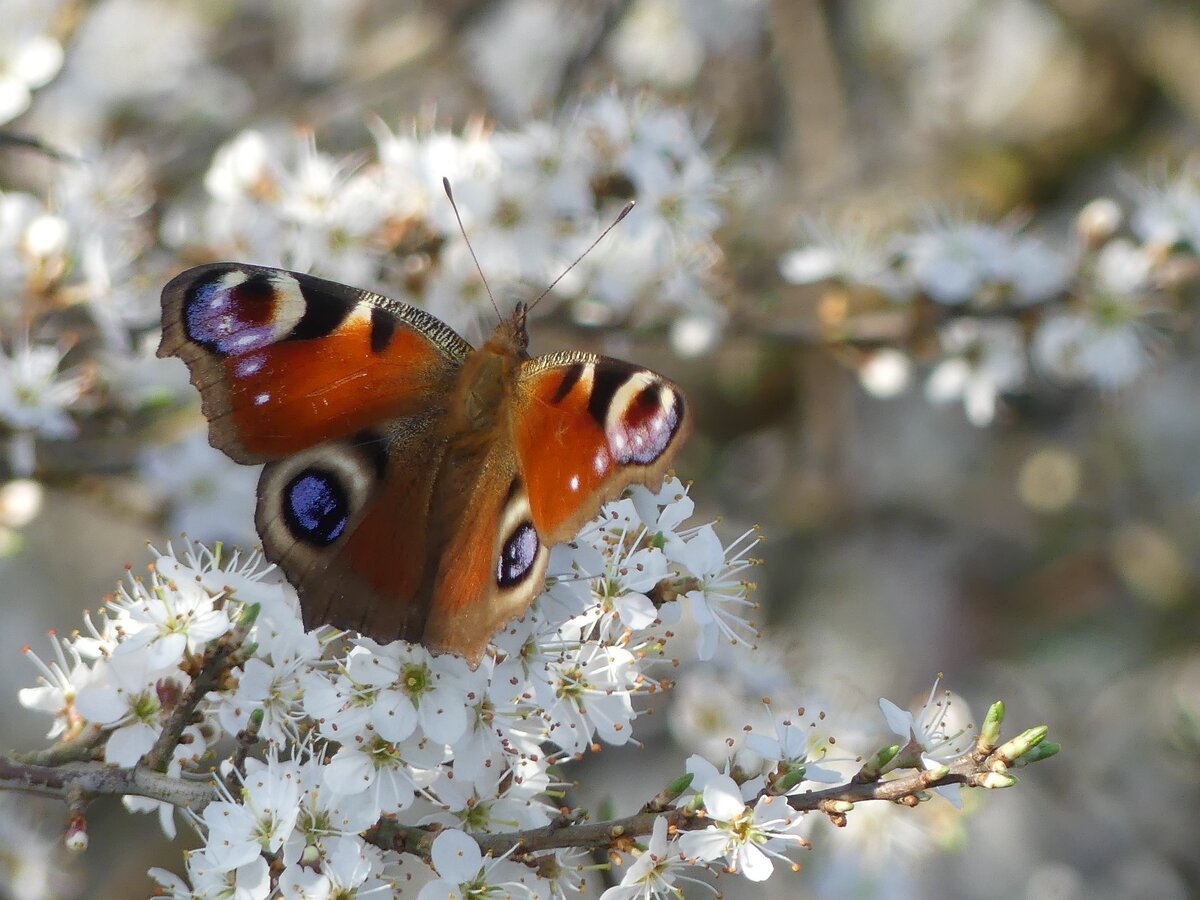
989, 733
1022, 743
994, 780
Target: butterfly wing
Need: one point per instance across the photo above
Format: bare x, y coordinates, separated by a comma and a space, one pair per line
585, 427
580, 429
286, 361
492, 563
349, 522
340, 392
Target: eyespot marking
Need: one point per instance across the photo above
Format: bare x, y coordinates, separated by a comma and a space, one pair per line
316, 507
230, 312
517, 558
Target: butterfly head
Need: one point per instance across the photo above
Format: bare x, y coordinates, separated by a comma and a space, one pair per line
511, 337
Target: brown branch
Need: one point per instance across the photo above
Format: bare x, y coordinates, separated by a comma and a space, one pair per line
95, 779
222, 655
972, 770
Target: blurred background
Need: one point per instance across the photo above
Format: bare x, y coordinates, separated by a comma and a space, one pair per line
925, 268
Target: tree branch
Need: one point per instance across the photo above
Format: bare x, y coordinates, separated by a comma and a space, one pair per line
228, 651
985, 765
95, 779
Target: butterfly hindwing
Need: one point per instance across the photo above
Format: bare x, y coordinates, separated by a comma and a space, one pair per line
584, 428
349, 523
492, 563
286, 361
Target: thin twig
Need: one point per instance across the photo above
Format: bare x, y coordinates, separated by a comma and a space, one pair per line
573, 832
227, 652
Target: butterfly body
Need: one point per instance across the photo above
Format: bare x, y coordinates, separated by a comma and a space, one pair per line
413, 484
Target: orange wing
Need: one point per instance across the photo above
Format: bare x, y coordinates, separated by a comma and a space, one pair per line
492, 564
585, 427
285, 361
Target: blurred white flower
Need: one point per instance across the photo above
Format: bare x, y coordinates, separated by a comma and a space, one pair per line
1167, 208
30, 56
1107, 337
984, 359
954, 262
517, 51
206, 493
850, 255
37, 865
112, 67
319, 36
654, 44
35, 397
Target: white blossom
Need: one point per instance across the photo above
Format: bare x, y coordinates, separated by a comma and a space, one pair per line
123, 697
985, 358
463, 873
61, 680
747, 838
937, 733
655, 871
35, 397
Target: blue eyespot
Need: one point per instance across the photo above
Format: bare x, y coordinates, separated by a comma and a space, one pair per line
316, 507
230, 320
516, 559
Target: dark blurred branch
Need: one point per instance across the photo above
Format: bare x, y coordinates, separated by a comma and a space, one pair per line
809, 76
36, 145
609, 18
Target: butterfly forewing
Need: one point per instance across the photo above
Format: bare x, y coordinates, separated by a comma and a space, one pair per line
585, 427
285, 361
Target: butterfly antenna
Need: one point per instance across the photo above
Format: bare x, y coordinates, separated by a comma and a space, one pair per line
592, 246
487, 287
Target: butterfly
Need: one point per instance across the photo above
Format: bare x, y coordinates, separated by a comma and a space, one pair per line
413, 484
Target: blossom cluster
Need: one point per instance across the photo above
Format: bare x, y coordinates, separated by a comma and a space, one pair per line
531, 199
1008, 306
319, 744
350, 732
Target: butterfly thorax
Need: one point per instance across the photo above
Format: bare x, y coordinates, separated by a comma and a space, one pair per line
484, 383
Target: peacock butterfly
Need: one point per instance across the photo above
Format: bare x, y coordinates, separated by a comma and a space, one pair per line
413, 484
